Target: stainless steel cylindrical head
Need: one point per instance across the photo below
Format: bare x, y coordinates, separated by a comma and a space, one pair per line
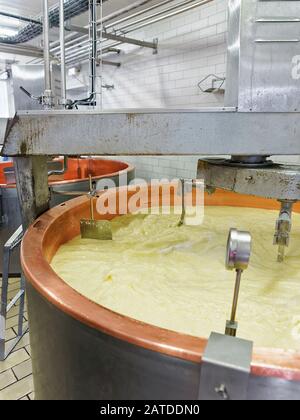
238, 250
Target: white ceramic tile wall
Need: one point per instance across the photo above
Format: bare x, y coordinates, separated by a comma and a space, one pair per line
191, 46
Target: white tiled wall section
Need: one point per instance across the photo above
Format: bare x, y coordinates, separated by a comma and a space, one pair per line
191, 46
166, 167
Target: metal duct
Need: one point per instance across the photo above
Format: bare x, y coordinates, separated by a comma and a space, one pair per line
72, 8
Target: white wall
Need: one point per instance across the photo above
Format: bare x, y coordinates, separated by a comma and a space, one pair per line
191, 46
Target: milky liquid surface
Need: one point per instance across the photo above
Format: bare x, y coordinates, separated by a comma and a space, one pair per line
175, 278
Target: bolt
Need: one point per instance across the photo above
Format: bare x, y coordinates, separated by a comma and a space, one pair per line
222, 392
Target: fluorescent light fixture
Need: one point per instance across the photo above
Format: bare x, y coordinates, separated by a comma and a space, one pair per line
6, 32
4, 75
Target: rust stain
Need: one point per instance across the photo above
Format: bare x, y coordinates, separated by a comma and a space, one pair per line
23, 148
131, 117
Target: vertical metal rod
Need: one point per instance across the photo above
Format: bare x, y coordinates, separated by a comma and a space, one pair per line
91, 198
236, 295
47, 47
101, 55
93, 59
62, 52
182, 217
22, 306
3, 308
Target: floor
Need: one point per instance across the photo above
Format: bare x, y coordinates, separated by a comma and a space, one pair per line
16, 371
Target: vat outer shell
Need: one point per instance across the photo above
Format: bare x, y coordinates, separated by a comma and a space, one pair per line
82, 351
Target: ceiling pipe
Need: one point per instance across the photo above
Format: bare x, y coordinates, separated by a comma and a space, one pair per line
47, 96
84, 39
23, 50
137, 4
158, 19
144, 18
62, 53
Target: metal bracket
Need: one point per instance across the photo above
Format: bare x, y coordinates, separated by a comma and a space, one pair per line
225, 369
5, 307
277, 181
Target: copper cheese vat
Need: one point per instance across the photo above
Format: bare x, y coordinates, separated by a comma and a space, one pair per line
74, 179
83, 351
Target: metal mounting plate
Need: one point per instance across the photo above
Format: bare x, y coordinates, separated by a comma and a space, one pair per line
225, 368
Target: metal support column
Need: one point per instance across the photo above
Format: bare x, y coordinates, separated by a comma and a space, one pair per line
47, 97
63, 52
32, 185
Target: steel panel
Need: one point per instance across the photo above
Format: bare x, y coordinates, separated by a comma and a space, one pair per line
264, 44
169, 132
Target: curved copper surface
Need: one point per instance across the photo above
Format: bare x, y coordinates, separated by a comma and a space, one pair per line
78, 170
61, 224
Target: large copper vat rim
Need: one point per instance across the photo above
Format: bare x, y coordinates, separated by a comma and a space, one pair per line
284, 364
128, 168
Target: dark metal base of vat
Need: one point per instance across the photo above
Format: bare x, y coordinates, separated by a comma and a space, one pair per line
72, 361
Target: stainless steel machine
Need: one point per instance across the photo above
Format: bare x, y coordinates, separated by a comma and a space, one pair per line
260, 119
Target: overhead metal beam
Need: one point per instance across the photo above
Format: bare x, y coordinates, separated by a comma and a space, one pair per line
211, 131
118, 38
21, 50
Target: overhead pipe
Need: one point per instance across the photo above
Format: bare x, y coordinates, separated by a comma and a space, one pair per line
47, 97
85, 40
137, 4
119, 38
126, 9
144, 18
62, 52
22, 50
94, 49
172, 14
156, 20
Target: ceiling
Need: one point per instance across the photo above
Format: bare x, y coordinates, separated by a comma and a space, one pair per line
32, 8
29, 8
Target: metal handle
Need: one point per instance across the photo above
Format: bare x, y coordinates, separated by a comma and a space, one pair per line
278, 20
35, 98
270, 41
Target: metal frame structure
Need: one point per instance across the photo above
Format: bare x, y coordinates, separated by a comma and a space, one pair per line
7, 348
115, 25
